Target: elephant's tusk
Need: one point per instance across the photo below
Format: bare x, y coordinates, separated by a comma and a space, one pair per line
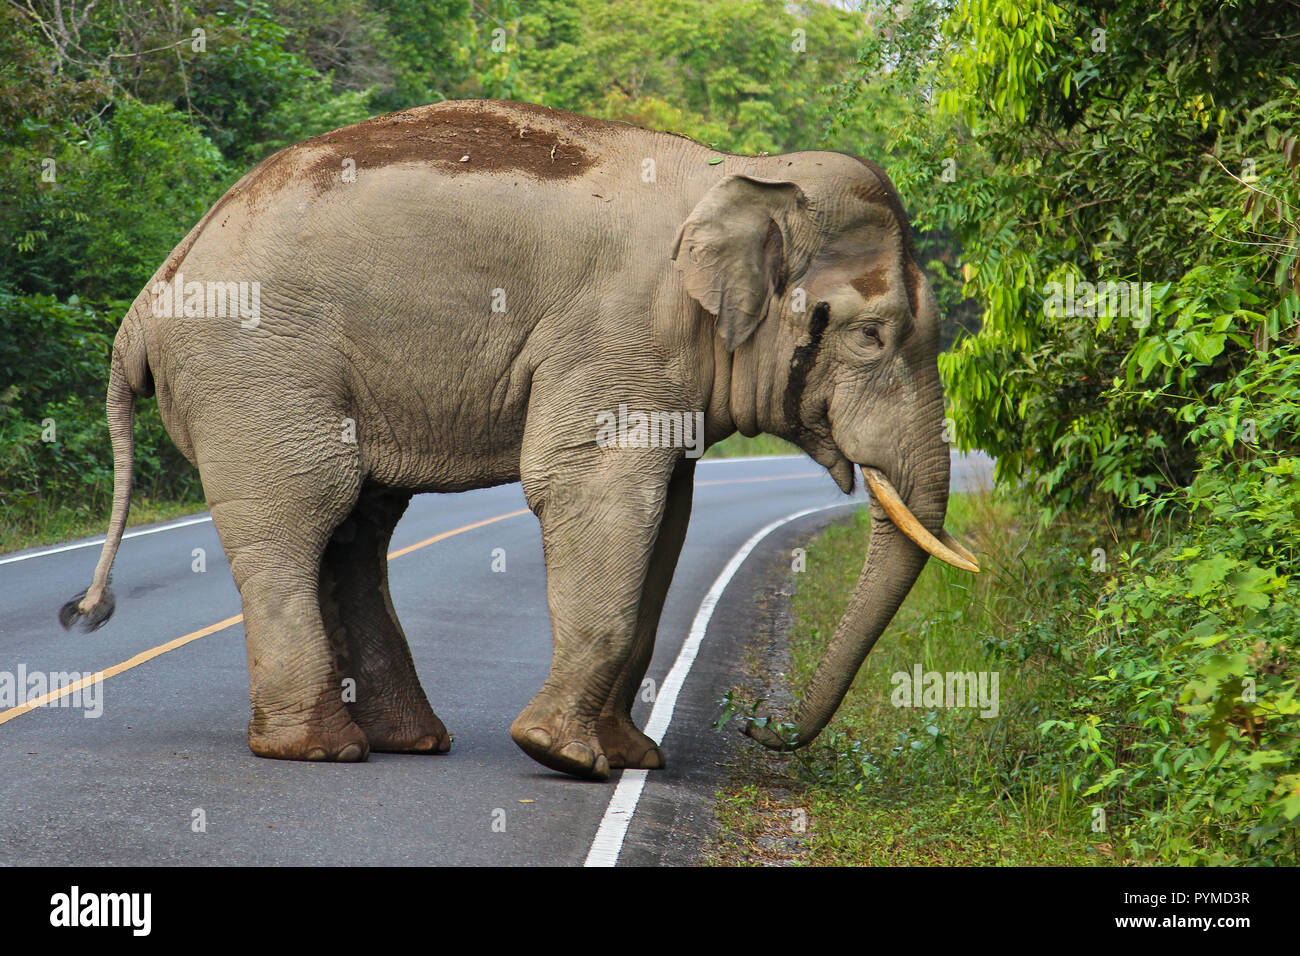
955, 545
946, 550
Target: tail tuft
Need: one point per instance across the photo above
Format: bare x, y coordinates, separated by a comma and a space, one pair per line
85, 617
93, 607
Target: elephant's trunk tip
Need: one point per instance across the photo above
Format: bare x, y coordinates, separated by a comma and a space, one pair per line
785, 738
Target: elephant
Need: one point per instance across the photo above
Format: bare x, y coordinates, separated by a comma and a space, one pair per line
451, 297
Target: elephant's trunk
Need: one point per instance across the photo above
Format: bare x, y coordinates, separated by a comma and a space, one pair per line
901, 536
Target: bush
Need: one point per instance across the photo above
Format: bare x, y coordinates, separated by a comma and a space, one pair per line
124, 194
1185, 717
55, 450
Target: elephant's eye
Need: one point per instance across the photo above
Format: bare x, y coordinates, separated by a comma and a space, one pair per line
873, 332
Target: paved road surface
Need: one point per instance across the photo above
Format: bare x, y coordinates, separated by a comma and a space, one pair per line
127, 786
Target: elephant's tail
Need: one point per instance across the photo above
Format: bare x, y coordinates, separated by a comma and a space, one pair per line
128, 374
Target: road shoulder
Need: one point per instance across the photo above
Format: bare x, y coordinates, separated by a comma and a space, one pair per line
676, 822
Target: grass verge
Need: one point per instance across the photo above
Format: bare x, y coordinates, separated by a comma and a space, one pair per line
738, 446
52, 524
889, 785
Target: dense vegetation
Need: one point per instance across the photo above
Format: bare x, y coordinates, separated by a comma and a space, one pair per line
1153, 143
1044, 148
1155, 440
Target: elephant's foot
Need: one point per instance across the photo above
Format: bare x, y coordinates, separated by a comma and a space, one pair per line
397, 730
336, 740
626, 747
555, 743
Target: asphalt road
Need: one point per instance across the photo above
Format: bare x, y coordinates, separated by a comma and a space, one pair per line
169, 750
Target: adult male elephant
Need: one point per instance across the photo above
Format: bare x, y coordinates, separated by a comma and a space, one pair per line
454, 296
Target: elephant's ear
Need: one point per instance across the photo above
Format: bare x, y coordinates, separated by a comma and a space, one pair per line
740, 246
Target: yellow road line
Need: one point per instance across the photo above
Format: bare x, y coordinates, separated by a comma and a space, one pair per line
116, 669
151, 653
447, 534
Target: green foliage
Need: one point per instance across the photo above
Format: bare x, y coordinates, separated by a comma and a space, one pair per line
34, 93
253, 96
431, 59
1109, 144
124, 192
741, 75
1190, 723
51, 350
56, 450
1116, 142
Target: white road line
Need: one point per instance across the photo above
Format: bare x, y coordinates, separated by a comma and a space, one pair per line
96, 542
793, 456
608, 844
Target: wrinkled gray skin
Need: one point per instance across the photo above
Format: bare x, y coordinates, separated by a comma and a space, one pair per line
775, 294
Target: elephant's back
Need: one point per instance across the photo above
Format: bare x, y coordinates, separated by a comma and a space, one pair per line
453, 139
411, 251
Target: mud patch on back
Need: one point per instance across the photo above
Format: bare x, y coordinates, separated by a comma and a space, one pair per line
471, 139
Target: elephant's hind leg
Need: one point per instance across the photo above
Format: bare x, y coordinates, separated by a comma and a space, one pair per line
274, 522
386, 699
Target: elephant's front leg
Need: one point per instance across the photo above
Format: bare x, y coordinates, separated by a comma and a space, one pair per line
624, 744
599, 522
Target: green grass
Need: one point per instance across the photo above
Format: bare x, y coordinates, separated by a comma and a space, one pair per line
737, 446
886, 785
52, 523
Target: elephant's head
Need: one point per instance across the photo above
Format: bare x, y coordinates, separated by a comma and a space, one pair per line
831, 333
